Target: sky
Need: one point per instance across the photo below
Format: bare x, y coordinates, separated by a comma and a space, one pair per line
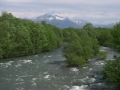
94, 11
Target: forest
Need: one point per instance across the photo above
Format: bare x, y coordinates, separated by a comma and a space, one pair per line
21, 37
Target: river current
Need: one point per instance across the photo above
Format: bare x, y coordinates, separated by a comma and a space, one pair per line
48, 71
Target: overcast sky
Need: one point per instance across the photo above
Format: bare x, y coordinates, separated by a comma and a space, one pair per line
94, 11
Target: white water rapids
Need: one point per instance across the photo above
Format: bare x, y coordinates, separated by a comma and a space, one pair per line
48, 71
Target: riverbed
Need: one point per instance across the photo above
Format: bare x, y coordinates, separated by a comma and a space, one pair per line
48, 71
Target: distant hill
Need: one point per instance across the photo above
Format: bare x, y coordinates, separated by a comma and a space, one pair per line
64, 22
59, 21
105, 26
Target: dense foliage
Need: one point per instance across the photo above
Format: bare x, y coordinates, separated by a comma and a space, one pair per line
81, 45
112, 72
20, 37
116, 36
104, 36
24, 37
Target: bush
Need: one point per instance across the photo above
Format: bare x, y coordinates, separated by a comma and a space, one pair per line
74, 60
111, 72
80, 46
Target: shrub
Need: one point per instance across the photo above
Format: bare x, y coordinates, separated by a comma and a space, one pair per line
74, 60
111, 72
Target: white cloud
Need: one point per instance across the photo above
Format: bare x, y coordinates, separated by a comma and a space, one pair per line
96, 11
27, 14
18, 1
97, 2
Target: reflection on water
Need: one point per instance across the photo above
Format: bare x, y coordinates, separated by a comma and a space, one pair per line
48, 72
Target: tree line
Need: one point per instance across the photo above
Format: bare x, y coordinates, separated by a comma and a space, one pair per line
19, 37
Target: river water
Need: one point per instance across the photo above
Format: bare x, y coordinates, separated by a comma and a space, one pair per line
48, 71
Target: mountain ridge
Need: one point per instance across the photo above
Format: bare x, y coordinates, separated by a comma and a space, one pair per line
65, 22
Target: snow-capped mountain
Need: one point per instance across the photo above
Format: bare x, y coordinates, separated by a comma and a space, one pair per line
61, 22
49, 17
64, 22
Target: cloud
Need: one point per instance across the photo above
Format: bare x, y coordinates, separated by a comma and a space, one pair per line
26, 14
95, 11
88, 2
17, 1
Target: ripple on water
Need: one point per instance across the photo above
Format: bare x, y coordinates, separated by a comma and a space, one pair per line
18, 65
33, 82
66, 87
90, 69
50, 56
100, 63
74, 69
45, 73
82, 87
48, 77
91, 80
7, 64
84, 79
19, 79
27, 61
19, 88
95, 86
88, 80
85, 67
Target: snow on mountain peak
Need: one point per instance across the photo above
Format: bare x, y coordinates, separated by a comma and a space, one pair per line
65, 22
60, 21
59, 18
50, 17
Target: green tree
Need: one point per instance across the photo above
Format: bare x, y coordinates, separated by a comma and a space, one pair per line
111, 72
88, 26
116, 36
105, 37
80, 46
20, 37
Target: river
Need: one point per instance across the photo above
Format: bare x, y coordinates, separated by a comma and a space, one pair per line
48, 71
